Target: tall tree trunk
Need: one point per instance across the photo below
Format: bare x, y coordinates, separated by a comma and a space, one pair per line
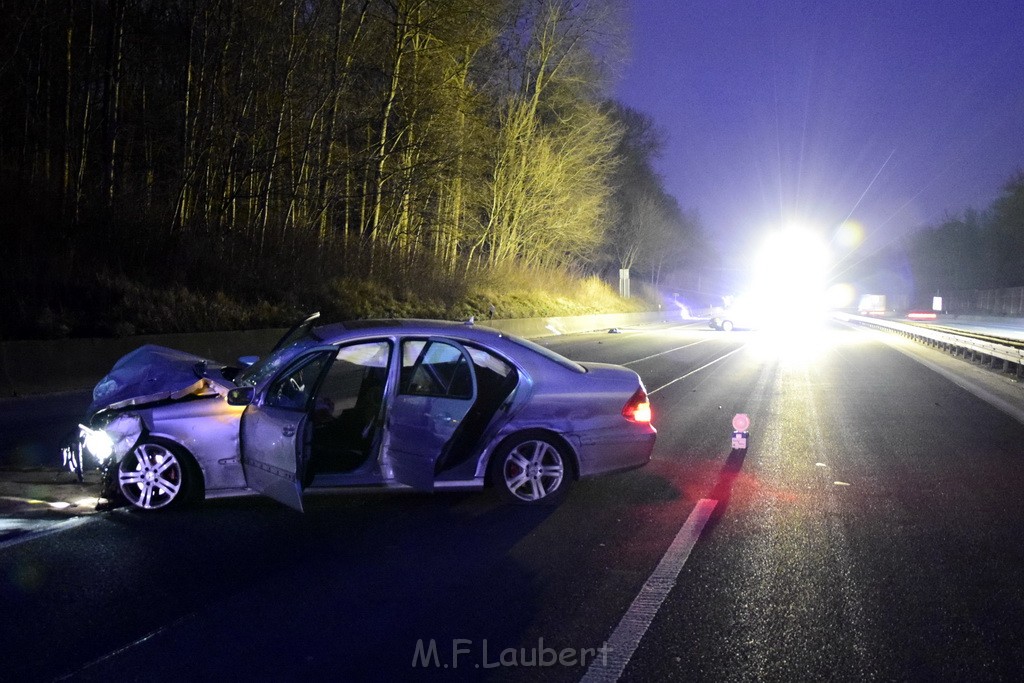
65, 180
400, 36
271, 166
340, 70
112, 97
85, 120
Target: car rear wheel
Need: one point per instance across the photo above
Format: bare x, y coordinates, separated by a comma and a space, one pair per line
532, 468
155, 475
727, 326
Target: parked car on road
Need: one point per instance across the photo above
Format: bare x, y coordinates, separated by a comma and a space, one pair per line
739, 314
421, 404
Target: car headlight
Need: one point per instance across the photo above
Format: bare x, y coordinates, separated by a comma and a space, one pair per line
114, 439
97, 442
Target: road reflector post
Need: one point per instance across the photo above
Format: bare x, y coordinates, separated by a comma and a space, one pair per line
740, 433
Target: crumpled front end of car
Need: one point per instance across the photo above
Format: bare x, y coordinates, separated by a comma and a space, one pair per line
150, 385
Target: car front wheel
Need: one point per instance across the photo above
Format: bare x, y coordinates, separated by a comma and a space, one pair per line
154, 475
532, 468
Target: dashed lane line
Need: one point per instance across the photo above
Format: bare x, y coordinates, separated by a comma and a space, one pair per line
662, 353
694, 372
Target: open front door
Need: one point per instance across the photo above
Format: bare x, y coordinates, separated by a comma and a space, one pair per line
275, 444
276, 432
436, 390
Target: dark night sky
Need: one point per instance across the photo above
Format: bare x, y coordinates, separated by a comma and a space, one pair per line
889, 113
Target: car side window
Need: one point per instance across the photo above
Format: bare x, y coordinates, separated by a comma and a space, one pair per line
354, 382
485, 361
435, 368
295, 387
495, 377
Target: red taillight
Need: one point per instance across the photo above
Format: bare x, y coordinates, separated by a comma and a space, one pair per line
638, 408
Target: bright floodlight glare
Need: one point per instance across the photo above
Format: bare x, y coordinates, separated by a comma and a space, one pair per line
792, 268
840, 296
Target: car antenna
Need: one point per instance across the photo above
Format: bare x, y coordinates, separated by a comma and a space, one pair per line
470, 321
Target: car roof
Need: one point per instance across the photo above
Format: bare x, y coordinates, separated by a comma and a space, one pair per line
525, 352
333, 332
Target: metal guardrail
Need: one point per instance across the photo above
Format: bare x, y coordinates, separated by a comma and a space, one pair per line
1006, 355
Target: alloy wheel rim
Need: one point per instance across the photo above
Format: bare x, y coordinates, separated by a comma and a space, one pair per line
533, 470
150, 477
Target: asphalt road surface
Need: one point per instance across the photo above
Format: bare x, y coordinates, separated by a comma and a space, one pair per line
872, 530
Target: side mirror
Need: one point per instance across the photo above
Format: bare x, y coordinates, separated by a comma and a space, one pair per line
246, 361
242, 396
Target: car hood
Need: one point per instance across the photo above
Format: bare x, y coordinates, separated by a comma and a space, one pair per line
155, 373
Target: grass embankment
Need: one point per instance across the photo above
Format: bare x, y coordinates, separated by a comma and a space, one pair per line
104, 305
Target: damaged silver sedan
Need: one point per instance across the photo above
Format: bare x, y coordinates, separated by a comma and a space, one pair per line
420, 404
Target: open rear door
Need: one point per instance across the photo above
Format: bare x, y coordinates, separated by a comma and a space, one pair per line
436, 390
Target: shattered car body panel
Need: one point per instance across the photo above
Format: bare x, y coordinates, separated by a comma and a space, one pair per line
151, 373
418, 404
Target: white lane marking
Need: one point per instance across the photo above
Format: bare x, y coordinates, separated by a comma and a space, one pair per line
694, 372
110, 655
56, 528
637, 619
662, 353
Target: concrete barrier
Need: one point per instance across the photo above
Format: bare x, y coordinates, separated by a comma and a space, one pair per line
52, 365
544, 327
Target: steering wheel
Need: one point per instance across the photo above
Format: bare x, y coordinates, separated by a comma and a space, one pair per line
290, 392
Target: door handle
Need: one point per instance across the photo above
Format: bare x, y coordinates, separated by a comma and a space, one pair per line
288, 431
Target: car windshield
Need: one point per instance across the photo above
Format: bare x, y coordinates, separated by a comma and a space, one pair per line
263, 369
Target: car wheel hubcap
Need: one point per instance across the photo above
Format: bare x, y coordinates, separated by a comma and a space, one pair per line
533, 470
150, 476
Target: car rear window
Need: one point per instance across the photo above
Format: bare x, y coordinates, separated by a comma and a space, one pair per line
548, 353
